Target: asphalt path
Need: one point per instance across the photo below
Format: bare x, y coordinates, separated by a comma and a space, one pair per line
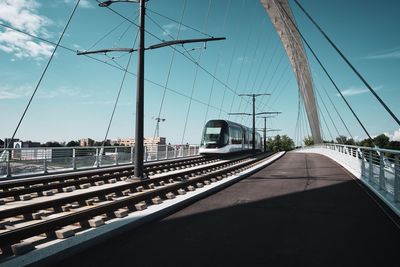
302, 210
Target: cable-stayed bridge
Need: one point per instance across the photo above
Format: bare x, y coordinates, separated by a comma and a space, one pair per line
310, 206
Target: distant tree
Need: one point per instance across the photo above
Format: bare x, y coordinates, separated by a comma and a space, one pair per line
72, 143
341, 139
366, 142
381, 141
280, 143
395, 145
287, 143
308, 141
52, 144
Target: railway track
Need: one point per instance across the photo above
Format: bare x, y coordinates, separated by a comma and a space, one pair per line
26, 224
25, 189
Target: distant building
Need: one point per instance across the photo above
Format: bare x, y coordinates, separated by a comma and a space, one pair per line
22, 151
125, 141
10, 143
148, 141
86, 142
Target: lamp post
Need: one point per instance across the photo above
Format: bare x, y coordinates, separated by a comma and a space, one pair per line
139, 144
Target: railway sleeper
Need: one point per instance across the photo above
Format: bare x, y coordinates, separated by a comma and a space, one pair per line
141, 206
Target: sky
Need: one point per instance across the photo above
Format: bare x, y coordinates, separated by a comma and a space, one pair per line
189, 85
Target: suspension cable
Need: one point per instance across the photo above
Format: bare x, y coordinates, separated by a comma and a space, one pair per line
349, 64
171, 19
324, 69
334, 106
327, 111
195, 76
119, 92
43, 73
217, 63
117, 66
170, 67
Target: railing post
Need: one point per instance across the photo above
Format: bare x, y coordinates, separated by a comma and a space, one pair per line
146, 154
45, 162
381, 172
74, 158
8, 166
371, 171
166, 151
396, 179
362, 164
97, 158
116, 156
131, 154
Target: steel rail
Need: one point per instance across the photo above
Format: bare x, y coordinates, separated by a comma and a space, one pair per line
16, 235
92, 176
56, 203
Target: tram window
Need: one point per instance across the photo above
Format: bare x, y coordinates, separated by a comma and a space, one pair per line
236, 135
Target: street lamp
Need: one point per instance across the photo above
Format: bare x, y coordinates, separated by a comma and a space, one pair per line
139, 146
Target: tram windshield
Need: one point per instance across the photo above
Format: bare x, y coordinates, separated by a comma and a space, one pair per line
215, 134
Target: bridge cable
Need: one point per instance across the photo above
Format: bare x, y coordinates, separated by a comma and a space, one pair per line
43, 73
349, 64
170, 66
229, 74
195, 76
333, 104
252, 62
174, 48
106, 35
179, 22
119, 93
326, 72
327, 111
118, 66
323, 118
240, 71
218, 61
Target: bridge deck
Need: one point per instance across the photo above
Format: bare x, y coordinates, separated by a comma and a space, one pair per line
302, 210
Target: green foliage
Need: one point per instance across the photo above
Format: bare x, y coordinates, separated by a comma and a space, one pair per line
308, 141
280, 143
52, 144
72, 143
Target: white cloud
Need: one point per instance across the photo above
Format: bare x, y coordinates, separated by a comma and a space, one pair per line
396, 135
83, 3
171, 28
353, 90
393, 53
7, 92
23, 15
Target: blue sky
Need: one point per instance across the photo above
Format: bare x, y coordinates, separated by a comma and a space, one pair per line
76, 97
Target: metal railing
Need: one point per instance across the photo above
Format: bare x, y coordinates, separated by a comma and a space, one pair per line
376, 167
16, 162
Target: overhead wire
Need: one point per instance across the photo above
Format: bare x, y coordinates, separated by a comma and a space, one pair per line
43, 73
195, 76
118, 67
217, 62
119, 93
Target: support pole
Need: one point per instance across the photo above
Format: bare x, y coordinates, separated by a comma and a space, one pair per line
139, 150
254, 123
